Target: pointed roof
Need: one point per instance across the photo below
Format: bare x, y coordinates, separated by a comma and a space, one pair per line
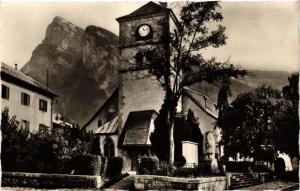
112, 97
147, 9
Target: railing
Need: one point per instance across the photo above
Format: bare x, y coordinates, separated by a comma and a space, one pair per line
179, 169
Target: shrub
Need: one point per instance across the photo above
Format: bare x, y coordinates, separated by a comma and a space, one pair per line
87, 164
147, 164
113, 167
43, 152
205, 167
232, 166
184, 172
165, 169
181, 162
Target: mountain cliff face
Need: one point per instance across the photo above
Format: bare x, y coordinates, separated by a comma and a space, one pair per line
82, 67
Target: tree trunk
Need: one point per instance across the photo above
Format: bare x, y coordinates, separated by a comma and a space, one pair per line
171, 117
171, 142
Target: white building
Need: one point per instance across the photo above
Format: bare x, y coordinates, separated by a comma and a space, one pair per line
27, 99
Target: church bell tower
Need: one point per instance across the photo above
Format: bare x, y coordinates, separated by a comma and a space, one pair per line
145, 28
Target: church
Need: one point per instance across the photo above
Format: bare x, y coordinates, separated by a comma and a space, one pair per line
124, 123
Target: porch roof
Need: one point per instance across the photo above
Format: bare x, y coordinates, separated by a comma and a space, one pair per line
137, 128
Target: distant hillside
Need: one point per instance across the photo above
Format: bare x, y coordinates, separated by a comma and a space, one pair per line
255, 78
82, 67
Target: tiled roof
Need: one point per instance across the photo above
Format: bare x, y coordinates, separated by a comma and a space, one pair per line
18, 75
148, 9
137, 128
109, 127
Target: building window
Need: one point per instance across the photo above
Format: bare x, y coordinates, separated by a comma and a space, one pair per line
109, 147
25, 99
139, 57
5, 92
25, 125
43, 105
99, 123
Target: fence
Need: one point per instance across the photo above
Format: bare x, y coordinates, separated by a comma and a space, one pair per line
178, 169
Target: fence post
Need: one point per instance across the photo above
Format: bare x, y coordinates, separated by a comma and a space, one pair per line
228, 177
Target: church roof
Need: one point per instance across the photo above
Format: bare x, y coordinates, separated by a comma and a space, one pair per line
109, 127
17, 77
136, 130
112, 98
208, 107
147, 9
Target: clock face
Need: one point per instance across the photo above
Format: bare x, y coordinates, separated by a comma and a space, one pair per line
144, 30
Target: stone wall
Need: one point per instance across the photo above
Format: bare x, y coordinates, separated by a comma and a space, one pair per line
41, 180
152, 182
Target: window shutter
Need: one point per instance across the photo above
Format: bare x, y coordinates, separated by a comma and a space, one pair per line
22, 99
7, 92
28, 100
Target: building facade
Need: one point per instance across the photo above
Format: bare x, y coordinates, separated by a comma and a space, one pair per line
27, 99
126, 120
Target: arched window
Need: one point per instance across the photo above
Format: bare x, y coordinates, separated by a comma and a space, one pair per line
109, 147
99, 123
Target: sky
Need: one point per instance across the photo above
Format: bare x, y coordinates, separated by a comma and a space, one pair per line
261, 35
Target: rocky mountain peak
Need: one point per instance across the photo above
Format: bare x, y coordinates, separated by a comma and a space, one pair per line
63, 34
82, 64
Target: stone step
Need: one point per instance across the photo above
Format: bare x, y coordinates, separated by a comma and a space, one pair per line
242, 176
240, 181
243, 185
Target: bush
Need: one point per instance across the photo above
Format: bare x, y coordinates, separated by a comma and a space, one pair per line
184, 172
43, 152
181, 162
113, 167
232, 166
92, 164
147, 164
292, 176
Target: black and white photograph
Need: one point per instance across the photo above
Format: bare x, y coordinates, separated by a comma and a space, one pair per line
149, 95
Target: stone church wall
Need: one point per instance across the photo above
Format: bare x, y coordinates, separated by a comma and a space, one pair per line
206, 122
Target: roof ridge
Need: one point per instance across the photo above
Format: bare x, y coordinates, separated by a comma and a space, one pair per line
147, 9
199, 104
18, 74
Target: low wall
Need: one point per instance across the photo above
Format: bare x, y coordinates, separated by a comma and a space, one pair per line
153, 182
41, 180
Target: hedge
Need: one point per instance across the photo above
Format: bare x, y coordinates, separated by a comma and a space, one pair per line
113, 167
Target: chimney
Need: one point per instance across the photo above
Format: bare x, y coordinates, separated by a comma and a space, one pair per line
16, 66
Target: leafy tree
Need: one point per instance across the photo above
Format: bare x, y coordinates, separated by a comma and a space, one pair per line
291, 91
248, 125
287, 121
42, 151
182, 64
